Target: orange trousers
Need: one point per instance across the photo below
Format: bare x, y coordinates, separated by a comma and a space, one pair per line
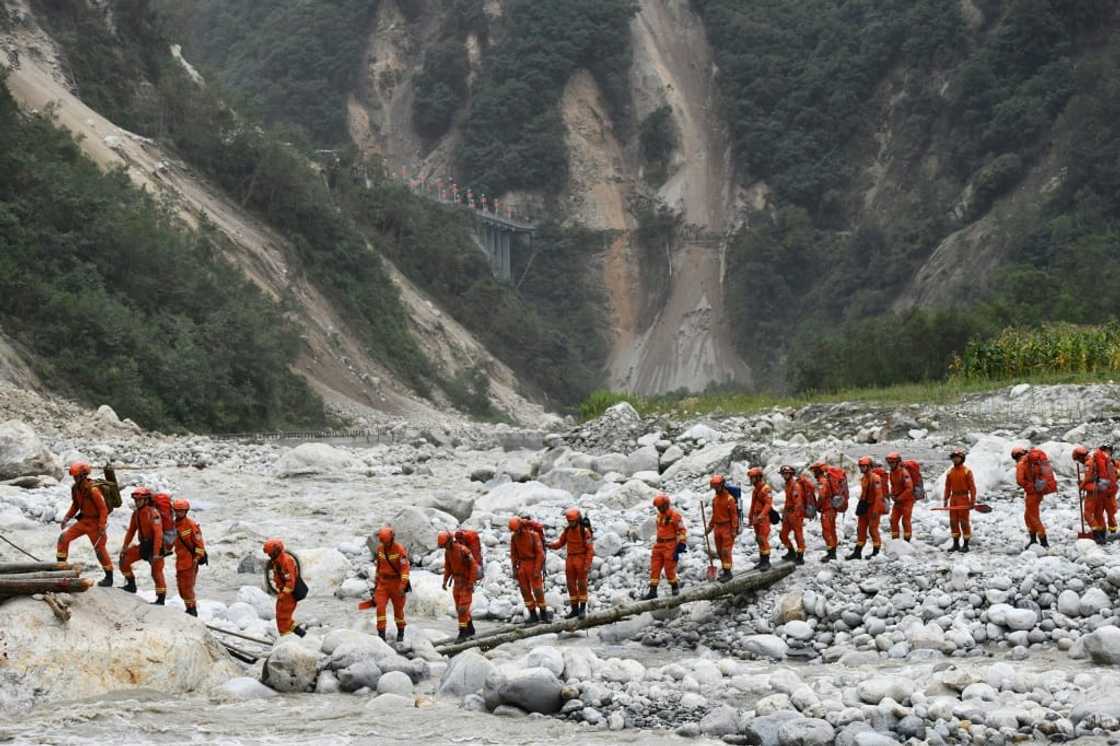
661, 559
185, 578
796, 525
132, 555
725, 540
762, 536
576, 570
389, 591
285, 613
532, 585
1033, 515
1110, 511
1094, 510
960, 521
463, 593
99, 541
900, 518
828, 529
869, 524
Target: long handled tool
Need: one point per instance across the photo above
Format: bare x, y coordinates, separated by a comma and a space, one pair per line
707, 546
1083, 534
978, 507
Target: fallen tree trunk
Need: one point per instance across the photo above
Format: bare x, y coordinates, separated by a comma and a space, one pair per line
49, 575
266, 643
748, 581
31, 587
12, 568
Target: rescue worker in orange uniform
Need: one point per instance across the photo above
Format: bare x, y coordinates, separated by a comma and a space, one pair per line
668, 544
1094, 484
762, 502
960, 498
147, 526
872, 506
473, 542
190, 552
391, 565
285, 577
88, 504
902, 497
1110, 495
826, 491
577, 565
725, 523
793, 517
526, 552
1032, 513
461, 568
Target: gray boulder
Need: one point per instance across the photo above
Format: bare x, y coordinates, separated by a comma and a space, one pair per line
609, 462
416, 528
766, 646
361, 675
23, 454
643, 459
465, 675
763, 731
721, 721
1103, 645
394, 682
291, 667
574, 481
532, 690
1092, 711
454, 504
806, 732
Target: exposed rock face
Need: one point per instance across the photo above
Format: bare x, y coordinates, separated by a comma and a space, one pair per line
23, 454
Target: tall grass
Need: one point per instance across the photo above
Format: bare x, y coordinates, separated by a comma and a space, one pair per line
1057, 348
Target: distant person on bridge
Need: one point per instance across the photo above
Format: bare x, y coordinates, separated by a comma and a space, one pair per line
668, 544
88, 504
725, 523
579, 540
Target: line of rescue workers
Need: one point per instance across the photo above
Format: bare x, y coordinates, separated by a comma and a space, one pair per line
161, 526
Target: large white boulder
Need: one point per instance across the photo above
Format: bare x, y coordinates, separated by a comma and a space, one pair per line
323, 569
23, 454
428, 599
766, 646
704, 462
643, 459
455, 504
124, 643
573, 481
262, 604
314, 458
630, 494
292, 666
513, 497
991, 465
465, 674
1103, 644
533, 690
416, 528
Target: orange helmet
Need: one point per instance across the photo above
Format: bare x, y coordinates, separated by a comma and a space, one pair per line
1080, 453
273, 547
572, 514
865, 461
141, 492
661, 501
755, 472
1018, 452
716, 481
957, 453
180, 505
818, 466
385, 535
514, 523
894, 456
443, 538
80, 469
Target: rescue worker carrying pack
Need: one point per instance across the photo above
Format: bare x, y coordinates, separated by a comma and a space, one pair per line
762, 504
960, 499
668, 544
391, 569
190, 552
461, 568
793, 516
870, 509
902, 497
88, 504
1097, 481
147, 525
526, 553
1035, 475
578, 538
725, 523
831, 499
286, 582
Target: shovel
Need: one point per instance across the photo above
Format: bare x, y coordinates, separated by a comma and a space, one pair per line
707, 547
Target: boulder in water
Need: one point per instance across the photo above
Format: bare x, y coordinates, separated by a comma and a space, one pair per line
314, 458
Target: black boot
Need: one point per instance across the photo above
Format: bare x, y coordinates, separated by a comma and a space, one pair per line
129, 585
545, 616
724, 576
107, 581
1031, 543
582, 611
829, 556
1100, 538
381, 633
1043, 541
650, 594
857, 553
799, 558
907, 538
300, 630
676, 588
574, 612
470, 628
400, 635
956, 545
964, 546
161, 599
789, 555
763, 562
192, 611
874, 551
533, 617
462, 634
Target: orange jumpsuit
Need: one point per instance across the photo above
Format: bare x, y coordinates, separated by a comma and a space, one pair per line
284, 574
1110, 502
577, 565
670, 532
872, 492
392, 577
1032, 514
762, 502
826, 490
793, 515
960, 492
146, 522
461, 568
526, 552
87, 503
724, 526
189, 549
902, 493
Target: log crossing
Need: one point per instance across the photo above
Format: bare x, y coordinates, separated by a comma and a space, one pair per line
748, 581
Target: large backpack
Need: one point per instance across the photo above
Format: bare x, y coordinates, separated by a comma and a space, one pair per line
736, 492
808, 495
473, 542
109, 489
885, 480
914, 469
838, 481
1106, 472
162, 503
1041, 472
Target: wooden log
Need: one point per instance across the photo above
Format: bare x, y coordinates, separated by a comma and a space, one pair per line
10, 568
748, 581
257, 640
31, 587
59, 610
50, 575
